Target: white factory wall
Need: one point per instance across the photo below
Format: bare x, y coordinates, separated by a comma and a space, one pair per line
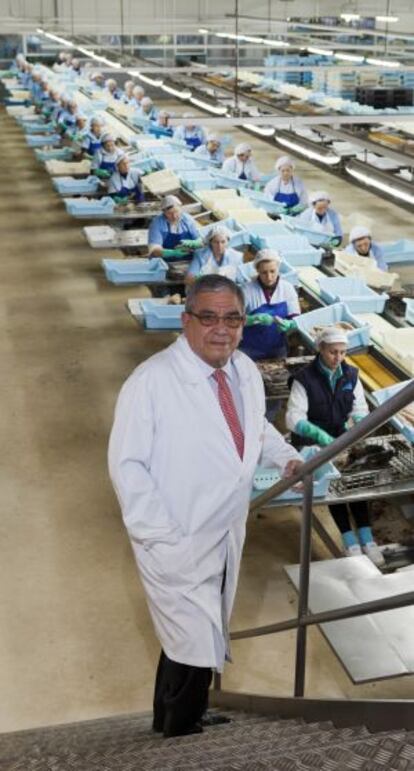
168, 16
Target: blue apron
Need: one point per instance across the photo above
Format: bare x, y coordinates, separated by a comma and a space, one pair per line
192, 142
289, 199
126, 192
108, 166
171, 241
262, 342
93, 146
242, 175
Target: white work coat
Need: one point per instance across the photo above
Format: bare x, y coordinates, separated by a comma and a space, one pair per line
234, 165
184, 493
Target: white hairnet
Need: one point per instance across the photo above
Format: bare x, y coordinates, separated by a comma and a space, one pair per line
218, 230
284, 160
213, 138
110, 82
146, 100
107, 137
138, 90
319, 195
121, 157
267, 255
359, 231
170, 200
331, 335
242, 148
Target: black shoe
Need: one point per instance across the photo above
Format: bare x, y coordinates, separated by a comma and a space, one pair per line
157, 727
197, 728
214, 719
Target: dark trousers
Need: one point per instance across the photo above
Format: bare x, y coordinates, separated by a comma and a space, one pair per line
358, 510
180, 696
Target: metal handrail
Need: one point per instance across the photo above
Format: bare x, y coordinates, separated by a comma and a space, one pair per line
374, 420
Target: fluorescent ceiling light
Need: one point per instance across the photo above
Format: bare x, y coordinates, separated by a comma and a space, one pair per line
276, 43
151, 81
387, 19
313, 155
402, 195
322, 51
104, 60
350, 16
349, 58
186, 94
215, 109
203, 31
249, 39
262, 131
58, 39
383, 63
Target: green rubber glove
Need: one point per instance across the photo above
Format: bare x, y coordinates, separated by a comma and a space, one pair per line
88, 157
310, 431
297, 209
285, 325
194, 243
265, 319
120, 200
335, 241
101, 173
358, 418
174, 253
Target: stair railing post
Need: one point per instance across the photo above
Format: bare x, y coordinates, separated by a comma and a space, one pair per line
303, 602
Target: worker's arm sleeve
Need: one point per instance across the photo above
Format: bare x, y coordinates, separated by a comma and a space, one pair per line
336, 222
255, 173
155, 237
359, 406
292, 300
195, 265
192, 228
380, 259
144, 511
297, 406
270, 189
275, 450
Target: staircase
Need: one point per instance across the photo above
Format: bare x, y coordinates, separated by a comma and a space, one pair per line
249, 743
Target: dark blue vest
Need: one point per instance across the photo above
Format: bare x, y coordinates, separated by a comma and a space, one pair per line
327, 409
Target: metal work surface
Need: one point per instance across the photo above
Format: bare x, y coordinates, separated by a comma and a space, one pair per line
369, 648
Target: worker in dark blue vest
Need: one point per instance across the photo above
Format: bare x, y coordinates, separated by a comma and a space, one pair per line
324, 396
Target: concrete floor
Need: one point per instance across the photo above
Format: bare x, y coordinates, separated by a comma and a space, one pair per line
76, 638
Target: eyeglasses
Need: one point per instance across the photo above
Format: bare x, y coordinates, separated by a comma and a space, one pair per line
230, 320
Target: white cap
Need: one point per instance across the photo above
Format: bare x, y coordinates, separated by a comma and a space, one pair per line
138, 90
359, 231
107, 137
331, 335
267, 255
218, 230
121, 157
110, 82
96, 120
319, 195
146, 100
242, 148
284, 160
213, 138
164, 114
170, 200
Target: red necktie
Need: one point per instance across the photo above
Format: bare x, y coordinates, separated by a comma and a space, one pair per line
229, 410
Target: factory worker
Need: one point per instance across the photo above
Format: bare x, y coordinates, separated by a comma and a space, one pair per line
138, 94
92, 140
67, 118
271, 304
111, 87
320, 216
324, 396
361, 243
128, 95
148, 109
174, 233
162, 124
78, 132
241, 165
212, 150
76, 67
286, 188
215, 257
125, 183
188, 434
105, 159
190, 133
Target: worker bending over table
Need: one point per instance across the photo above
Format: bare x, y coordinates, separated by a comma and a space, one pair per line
125, 183
271, 305
216, 256
286, 188
324, 396
173, 234
241, 164
361, 244
322, 217
188, 434
105, 159
194, 136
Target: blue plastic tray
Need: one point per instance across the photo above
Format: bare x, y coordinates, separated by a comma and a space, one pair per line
314, 236
162, 316
272, 207
382, 395
359, 297
197, 180
359, 337
38, 128
41, 140
83, 207
135, 271
265, 478
228, 180
240, 236
296, 249
73, 186
58, 153
399, 251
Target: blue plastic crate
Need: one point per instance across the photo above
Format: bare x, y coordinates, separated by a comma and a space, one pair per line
146, 165
38, 128
359, 337
230, 180
296, 249
382, 395
41, 140
85, 207
265, 478
359, 297
72, 186
272, 207
135, 271
399, 251
162, 316
315, 237
57, 153
240, 236
197, 180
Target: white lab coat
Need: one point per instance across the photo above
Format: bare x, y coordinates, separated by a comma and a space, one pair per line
184, 493
235, 166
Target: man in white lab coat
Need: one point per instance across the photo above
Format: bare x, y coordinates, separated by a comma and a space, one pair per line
189, 431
